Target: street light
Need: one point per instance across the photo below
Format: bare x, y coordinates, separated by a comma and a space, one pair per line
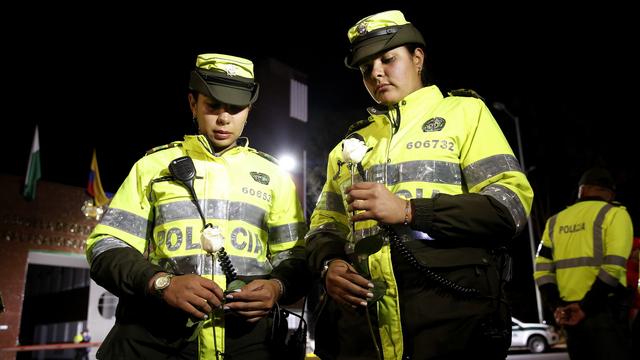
501, 107
289, 163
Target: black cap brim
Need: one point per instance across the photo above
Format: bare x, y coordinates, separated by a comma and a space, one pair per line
229, 90
370, 46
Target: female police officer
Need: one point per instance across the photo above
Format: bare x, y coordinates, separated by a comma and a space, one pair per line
147, 250
441, 172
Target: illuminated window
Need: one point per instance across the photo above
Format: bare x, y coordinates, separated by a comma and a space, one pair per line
298, 100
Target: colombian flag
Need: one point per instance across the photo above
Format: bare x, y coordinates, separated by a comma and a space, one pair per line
94, 187
33, 169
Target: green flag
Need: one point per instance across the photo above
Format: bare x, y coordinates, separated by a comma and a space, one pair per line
33, 169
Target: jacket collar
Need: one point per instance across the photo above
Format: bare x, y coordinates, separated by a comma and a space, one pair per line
412, 106
200, 143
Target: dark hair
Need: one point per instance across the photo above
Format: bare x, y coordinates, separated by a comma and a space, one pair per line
425, 75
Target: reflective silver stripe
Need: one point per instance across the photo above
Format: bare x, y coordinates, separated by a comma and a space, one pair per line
433, 171
336, 229
575, 262
288, 232
489, 167
126, 221
545, 267
546, 279
552, 224
598, 248
510, 200
363, 233
213, 209
615, 260
201, 264
607, 278
330, 201
236, 210
105, 244
293, 253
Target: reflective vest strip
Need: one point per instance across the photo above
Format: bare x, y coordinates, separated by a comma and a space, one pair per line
126, 221
510, 200
607, 278
545, 267
598, 248
489, 167
287, 232
105, 244
297, 252
213, 209
552, 224
330, 201
432, 171
201, 264
334, 228
546, 279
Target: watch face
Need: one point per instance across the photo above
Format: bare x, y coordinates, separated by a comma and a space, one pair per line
162, 282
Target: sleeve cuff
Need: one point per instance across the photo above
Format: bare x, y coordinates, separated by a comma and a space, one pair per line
422, 214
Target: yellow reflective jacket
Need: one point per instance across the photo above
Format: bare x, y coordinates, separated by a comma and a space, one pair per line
589, 240
242, 192
443, 145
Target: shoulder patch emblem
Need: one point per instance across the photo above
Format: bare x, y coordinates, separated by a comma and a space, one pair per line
359, 125
267, 156
466, 93
262, 178
163, 147
434, 124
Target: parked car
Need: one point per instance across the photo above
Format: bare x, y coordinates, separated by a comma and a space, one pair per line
538, 338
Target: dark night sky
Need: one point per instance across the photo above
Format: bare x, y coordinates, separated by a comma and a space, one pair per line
115, 79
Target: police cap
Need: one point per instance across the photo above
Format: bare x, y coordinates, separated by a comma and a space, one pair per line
228, 79
599, 177
379, 32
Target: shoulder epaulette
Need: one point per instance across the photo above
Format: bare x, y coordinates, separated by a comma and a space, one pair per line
359, 125
466, 93
267, 156
165, 146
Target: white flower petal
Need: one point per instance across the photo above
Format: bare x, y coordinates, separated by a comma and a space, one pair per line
211, 239
353, 150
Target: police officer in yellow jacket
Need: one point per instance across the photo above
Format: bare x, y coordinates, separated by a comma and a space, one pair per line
191, 217
581, 270
429, 188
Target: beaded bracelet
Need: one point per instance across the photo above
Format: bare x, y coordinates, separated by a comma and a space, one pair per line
407, 210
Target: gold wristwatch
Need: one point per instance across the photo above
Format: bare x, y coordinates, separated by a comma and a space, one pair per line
161, 282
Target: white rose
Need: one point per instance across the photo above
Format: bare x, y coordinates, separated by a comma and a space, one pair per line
212, 239
353, 150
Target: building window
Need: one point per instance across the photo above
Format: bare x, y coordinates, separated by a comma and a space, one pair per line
298, 100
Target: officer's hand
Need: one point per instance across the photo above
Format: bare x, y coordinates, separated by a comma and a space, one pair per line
254, 300
346, 286
377, 202
561, 314
194, 294
574, 314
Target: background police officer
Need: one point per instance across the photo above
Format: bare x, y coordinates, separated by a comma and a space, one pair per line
581, 270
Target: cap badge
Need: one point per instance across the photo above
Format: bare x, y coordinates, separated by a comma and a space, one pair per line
231, 69
434, 124
362, 28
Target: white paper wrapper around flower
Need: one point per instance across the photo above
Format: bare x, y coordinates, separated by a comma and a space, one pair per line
212, 239
353, 150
